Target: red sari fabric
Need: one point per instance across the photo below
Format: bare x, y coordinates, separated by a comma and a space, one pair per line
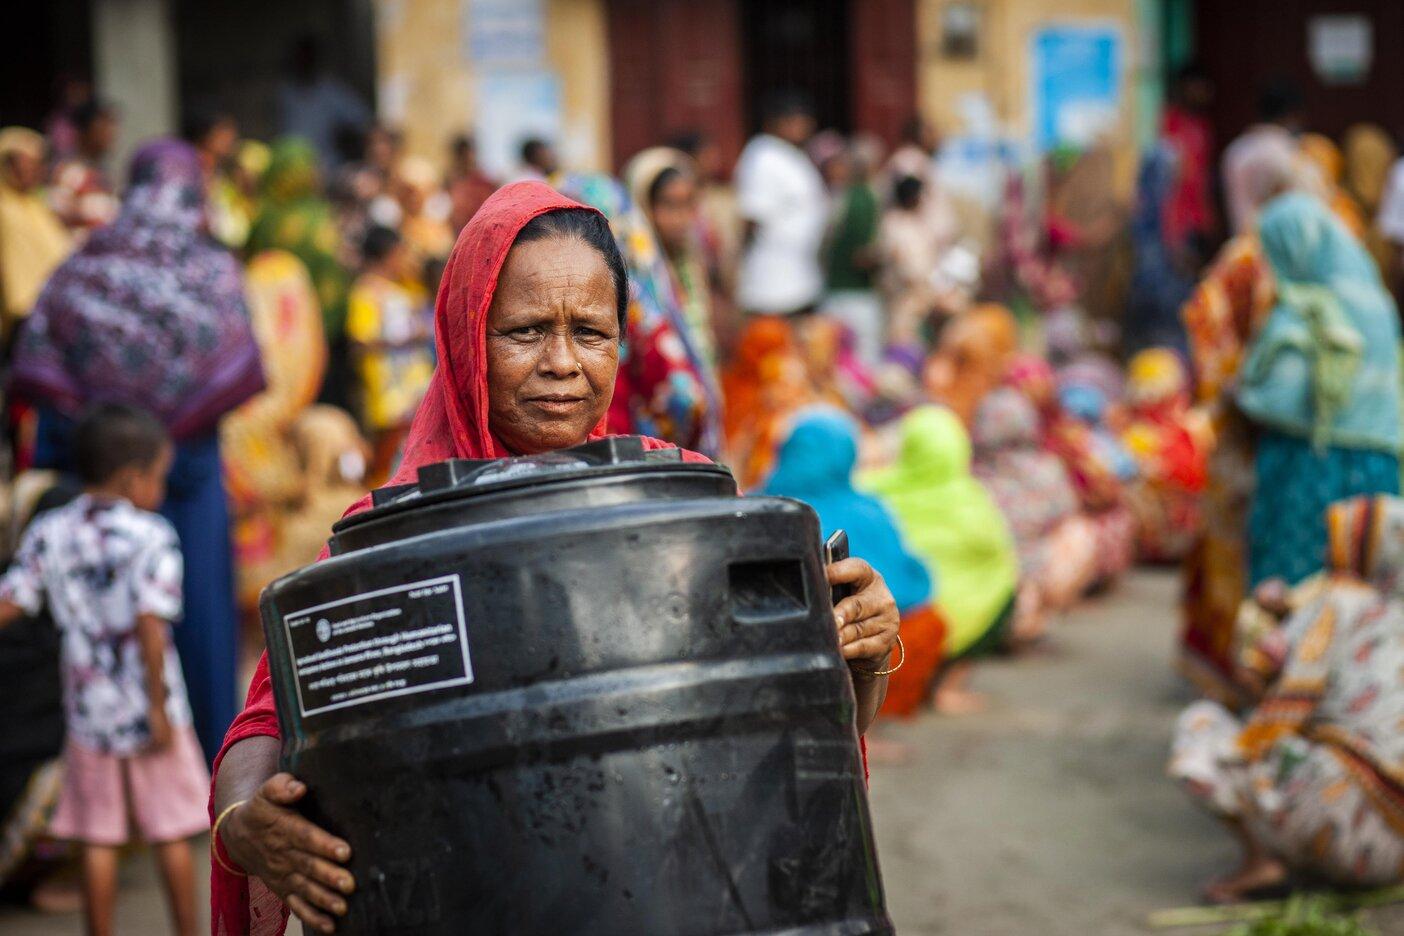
452, 422
909, 688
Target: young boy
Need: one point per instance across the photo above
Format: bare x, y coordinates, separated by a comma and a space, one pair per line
109, 571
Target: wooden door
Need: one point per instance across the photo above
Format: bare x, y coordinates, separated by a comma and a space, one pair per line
799, 45
883, 51
1246, 44
675, 65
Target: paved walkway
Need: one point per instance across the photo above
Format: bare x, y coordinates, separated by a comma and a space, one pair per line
1050, 813
1047, 814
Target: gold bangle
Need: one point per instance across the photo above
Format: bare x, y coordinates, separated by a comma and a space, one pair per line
214, 839
900, 661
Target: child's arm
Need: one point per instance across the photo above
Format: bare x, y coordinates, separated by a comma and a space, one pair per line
156, 585
151, 635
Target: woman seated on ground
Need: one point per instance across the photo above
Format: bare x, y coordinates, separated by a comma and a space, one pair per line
972, 358
1321, 385
1310, 781
527, 327
1100, 492
1057, 545
815, 464
1171, 445
956, 529
765, 383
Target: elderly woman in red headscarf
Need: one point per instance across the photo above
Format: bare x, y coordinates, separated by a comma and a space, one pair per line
528, 324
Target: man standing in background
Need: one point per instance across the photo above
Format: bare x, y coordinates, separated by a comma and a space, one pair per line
782, 201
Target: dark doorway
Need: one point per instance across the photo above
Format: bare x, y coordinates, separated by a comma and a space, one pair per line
1248, 43
48, 42
798, 45
675, 66
232, 54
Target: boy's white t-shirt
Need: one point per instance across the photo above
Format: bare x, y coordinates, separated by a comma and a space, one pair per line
97, 565
781, 192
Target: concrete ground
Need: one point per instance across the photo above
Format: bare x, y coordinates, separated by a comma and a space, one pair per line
1049, 813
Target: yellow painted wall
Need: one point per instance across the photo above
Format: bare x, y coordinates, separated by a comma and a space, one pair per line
1000, 71
427, 88
577, 45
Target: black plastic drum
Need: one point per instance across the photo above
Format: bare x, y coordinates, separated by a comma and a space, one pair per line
592, 691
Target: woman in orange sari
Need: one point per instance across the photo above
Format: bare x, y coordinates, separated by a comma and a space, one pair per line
765, 383
1330, 165
1224, 313
972, 358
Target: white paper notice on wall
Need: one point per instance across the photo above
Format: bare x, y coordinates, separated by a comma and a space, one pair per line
512, 107
503, 33
1341, 47
392, 98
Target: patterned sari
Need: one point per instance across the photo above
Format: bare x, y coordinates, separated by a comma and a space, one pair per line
664, 387
1226, 310
1316, 772
1100, 493
1169, 443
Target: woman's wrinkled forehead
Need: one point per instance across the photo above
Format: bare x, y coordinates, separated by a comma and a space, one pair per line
554, 274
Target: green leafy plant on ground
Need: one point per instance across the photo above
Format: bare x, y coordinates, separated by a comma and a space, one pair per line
1323, 913
1303, 917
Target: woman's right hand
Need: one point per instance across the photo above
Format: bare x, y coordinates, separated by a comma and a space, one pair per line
299, 862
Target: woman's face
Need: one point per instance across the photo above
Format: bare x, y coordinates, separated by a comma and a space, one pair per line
675, 213
552, 345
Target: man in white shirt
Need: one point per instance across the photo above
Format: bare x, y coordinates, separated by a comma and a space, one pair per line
781, 197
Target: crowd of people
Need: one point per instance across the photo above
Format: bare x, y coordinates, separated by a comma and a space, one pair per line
1005, 407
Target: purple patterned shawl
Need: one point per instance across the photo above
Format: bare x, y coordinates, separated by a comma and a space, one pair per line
149, 312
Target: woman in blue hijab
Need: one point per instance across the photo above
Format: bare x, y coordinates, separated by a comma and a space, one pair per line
1321, 383
815, 465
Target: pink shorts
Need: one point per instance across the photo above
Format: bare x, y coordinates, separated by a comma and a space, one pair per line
166, 793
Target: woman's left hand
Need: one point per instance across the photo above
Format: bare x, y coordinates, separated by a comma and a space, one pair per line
868, 619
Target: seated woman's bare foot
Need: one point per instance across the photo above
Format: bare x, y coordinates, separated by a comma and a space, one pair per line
1030, 622
1255, 875
956, 700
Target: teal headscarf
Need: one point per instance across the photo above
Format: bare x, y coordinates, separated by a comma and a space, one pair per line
815, 465
1325, 366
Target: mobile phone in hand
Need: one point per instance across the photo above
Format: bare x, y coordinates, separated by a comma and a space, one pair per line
836, 550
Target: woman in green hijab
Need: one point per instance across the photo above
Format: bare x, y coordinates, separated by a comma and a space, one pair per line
949, 520
293, 216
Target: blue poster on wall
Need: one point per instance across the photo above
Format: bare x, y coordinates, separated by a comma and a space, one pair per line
1076, 75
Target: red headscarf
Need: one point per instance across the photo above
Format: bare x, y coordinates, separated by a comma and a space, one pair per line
452, 422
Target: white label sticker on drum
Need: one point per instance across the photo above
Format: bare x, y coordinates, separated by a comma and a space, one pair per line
392, 642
